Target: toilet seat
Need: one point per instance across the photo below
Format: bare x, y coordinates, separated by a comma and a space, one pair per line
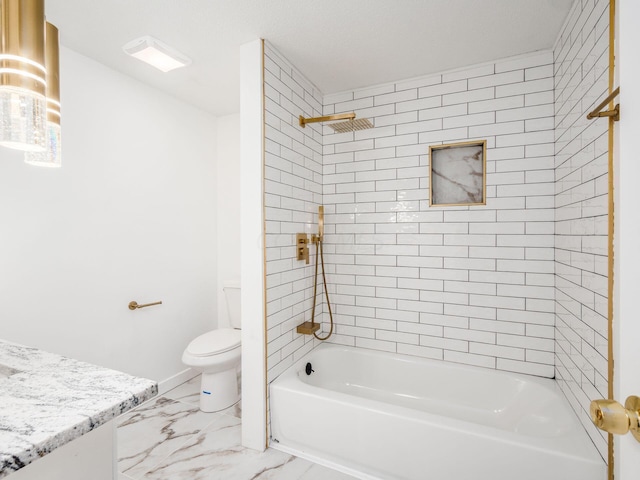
214, 342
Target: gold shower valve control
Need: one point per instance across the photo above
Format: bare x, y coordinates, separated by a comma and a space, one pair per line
302, 247
610, 416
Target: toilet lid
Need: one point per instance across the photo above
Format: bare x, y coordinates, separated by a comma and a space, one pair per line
215, 341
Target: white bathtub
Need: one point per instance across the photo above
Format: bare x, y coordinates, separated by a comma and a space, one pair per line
389, 416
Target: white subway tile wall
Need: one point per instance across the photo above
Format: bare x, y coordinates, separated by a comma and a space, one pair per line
293, 192
473, 285
581, 60
519, 284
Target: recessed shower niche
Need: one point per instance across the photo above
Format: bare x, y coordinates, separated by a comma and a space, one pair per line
458, 174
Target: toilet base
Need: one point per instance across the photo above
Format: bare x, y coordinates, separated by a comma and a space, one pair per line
218, 390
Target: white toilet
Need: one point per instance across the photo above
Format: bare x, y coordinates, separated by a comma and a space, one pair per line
217, 355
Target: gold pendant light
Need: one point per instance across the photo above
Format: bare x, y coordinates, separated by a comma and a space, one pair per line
52, 157
22, 75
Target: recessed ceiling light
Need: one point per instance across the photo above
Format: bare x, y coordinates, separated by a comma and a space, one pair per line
156, 53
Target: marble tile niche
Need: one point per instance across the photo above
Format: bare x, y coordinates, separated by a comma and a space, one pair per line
457, 174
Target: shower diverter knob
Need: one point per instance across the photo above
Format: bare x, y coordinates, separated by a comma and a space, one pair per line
610, 416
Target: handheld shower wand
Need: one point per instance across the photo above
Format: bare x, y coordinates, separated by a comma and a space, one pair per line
319, 253
320, 223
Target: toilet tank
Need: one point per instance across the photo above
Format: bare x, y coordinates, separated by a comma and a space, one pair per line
232, 295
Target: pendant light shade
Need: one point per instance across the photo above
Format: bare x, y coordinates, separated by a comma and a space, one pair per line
22, 75
52, 156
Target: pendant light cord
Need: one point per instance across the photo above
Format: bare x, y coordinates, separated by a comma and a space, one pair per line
315, 289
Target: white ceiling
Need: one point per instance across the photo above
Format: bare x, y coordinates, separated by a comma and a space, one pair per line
338, 44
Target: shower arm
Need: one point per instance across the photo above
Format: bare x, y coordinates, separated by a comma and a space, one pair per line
328, 118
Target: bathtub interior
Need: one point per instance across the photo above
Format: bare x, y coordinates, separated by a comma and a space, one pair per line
530, 406
377, 415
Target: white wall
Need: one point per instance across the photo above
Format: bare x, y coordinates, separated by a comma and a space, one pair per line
130, 216
254, 399
581, 60
627, 224
228, 213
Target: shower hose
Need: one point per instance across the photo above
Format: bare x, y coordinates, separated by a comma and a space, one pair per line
315, 289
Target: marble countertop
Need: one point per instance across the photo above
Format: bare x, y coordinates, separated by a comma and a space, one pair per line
48, 400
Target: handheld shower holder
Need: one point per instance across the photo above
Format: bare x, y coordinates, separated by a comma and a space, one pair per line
308, 328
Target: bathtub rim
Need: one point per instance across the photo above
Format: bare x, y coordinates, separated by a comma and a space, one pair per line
545, 382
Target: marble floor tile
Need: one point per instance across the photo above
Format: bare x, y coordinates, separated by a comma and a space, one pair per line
188, 392
234, 410
318, 472
216, 453
152, 431
169, 438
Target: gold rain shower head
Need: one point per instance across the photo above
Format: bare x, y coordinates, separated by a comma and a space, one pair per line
350, 125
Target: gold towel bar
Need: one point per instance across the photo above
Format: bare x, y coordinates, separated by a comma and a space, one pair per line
133, 305
615, 113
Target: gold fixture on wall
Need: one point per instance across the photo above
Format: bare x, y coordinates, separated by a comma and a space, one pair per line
610, 416
310, 328
134, 305
320, 224
52, 157
614, 113
327, 118
22, 75
302, 247
350, 125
